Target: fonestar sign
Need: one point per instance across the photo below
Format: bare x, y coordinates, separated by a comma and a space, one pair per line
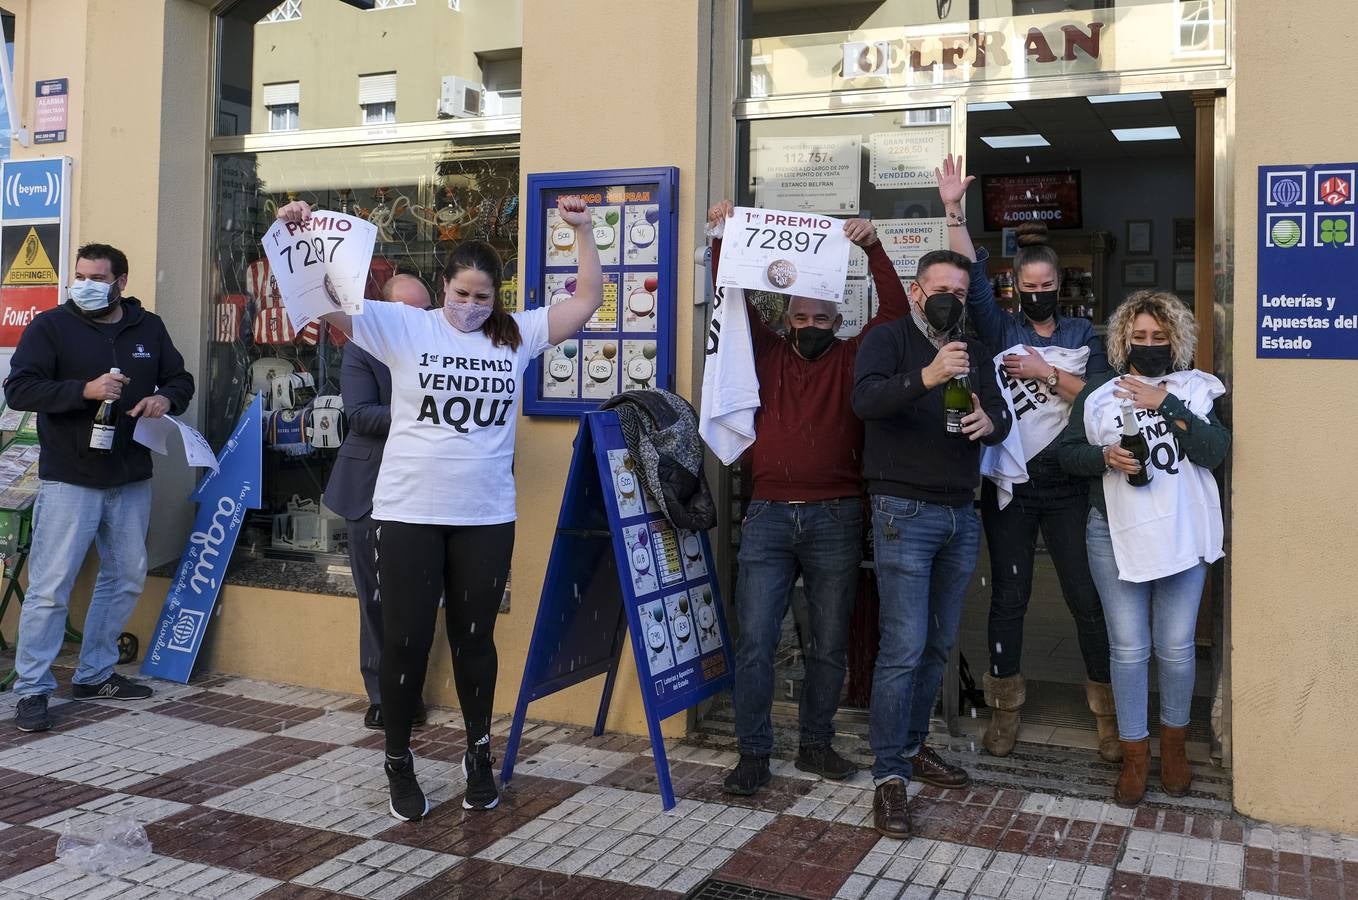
1308, 262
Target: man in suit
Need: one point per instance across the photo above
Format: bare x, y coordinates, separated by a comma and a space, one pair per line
365, 385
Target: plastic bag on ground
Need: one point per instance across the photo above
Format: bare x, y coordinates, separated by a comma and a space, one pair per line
115, 843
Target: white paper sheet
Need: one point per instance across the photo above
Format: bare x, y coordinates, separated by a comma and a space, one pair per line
155, 434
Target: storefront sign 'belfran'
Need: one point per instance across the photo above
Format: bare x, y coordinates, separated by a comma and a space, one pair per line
977, 50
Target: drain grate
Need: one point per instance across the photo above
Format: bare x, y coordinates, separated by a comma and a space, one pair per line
715, 889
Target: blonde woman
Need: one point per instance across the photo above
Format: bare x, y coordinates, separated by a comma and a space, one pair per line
1150, 545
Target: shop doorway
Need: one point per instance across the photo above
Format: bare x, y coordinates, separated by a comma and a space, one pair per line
1137, 173
1115, 179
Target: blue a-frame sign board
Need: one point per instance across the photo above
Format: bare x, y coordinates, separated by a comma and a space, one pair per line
629, 343
617, 564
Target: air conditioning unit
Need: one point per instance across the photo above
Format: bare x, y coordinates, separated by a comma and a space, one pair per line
460, 98
504, 104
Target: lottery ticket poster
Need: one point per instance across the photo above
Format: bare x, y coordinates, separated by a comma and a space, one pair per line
629, 344
785, 251
619, 568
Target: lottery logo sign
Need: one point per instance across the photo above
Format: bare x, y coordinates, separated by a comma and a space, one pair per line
1286, 189
1334, 187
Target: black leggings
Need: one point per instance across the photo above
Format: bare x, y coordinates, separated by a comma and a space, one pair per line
417, 564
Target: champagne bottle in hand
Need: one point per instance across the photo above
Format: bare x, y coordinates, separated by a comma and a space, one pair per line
105, 424
956, 405
1134, 442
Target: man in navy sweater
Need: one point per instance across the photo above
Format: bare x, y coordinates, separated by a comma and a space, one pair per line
926, 534
61, 370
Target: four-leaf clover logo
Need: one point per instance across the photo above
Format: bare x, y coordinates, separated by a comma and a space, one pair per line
1334, 232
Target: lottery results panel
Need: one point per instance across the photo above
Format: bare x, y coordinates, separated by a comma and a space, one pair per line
629, 343
675, 611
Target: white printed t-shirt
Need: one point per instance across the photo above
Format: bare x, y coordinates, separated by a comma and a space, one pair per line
454, 411
1169, 525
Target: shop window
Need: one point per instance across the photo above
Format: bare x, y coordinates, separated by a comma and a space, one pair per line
287, 11
265, 42
424, 198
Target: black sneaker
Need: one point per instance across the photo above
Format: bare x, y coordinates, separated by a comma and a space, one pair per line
31, 714
477, 766
408, 802
749, 775
822, 760
115, 687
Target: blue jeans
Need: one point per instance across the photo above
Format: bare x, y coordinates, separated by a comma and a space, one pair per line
825, 540
925, 556
1163, 612
66, 519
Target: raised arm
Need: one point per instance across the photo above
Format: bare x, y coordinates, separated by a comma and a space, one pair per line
564, 319
300, 211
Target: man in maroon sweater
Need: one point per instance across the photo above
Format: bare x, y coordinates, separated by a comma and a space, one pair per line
806, 513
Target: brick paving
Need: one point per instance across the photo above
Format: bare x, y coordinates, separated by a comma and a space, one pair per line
249, 789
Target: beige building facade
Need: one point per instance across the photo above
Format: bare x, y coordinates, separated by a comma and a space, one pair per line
175, 161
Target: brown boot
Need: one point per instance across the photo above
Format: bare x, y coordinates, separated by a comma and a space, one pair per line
1175, 775
1005, 698
1136, 763
1100, 697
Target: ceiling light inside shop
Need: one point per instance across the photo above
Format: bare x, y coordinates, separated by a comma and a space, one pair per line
988, 107
1125, 98
1162, 133
1011, 141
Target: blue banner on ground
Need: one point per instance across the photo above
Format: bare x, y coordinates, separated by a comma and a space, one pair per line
1308, 262
223, 498
617, 564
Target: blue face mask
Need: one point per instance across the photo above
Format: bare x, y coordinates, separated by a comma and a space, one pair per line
91, 296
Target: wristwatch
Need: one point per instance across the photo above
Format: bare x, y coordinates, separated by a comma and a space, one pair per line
1053, 378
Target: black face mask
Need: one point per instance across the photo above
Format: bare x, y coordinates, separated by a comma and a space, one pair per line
1150, 360
1038, 306
810, 341
942, 311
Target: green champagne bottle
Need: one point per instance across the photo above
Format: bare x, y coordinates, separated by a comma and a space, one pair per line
1134, 442
956, 405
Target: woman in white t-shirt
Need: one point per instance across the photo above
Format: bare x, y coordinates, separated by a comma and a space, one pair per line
1150, 545
444, 500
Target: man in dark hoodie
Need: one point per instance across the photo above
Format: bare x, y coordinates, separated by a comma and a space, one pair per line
922, 480
61, 370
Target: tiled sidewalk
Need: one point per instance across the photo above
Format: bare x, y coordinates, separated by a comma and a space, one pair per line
249, 790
